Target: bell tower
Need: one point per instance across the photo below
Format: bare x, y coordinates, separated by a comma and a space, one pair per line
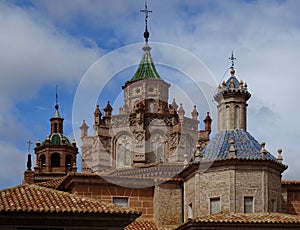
232, 97
56, 155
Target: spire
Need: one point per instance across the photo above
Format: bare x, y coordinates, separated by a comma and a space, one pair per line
146, 12
56, 114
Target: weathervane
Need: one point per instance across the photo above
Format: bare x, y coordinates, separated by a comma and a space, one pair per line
146, 12
232, 58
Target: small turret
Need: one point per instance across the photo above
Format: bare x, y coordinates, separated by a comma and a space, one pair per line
97, 116
181, 113
174, 104
108, 110
194, 113
84, 129
207, 123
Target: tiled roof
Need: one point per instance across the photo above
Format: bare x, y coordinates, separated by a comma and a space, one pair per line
34, 198
141, 224
290, 182
159, 172
52, 183
146, 69
245, 145
249, 218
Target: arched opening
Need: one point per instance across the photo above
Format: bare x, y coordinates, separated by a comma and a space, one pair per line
120, 153
55, 127
68, 162
236, 117
55, 160
150, 106
127, 155
227, 118
123, 155
43, 161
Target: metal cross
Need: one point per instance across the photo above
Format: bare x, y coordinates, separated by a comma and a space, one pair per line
29, 143
146, 11
232, 58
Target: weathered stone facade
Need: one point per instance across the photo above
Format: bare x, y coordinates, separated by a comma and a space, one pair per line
147, 129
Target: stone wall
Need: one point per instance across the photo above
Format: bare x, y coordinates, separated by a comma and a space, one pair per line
168, 204
232, 181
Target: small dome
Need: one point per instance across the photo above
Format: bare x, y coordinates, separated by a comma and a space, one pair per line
57, 139
232, 83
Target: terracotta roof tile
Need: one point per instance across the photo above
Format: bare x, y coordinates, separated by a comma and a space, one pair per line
140, 224
52, 183
34, 198
290, 182
249, 218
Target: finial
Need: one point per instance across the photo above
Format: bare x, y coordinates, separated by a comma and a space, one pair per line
263, 151
232, 58
279, 158
146, 11
56, 102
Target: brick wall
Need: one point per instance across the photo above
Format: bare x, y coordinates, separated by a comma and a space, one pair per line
139, 198
291, 193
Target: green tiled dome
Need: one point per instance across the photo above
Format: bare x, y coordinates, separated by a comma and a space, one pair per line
56, 139
146, 69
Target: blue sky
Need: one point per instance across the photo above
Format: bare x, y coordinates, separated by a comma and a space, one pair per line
43, 43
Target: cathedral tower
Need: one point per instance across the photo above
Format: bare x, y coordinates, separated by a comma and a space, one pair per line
56, 155
232, 99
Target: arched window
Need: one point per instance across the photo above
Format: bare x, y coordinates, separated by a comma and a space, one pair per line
236, 116
55, 160
160, 152
55, 127
43, 161
68, 161
157, 148
120, 153
227, 118
123, 150
127, 155
123, 155
150, 107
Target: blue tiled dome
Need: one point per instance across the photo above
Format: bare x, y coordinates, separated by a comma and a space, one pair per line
235, 82
245, 145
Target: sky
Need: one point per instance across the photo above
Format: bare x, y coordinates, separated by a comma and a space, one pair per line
45, 43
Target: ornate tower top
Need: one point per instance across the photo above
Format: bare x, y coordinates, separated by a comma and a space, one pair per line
146, 69
232, 99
